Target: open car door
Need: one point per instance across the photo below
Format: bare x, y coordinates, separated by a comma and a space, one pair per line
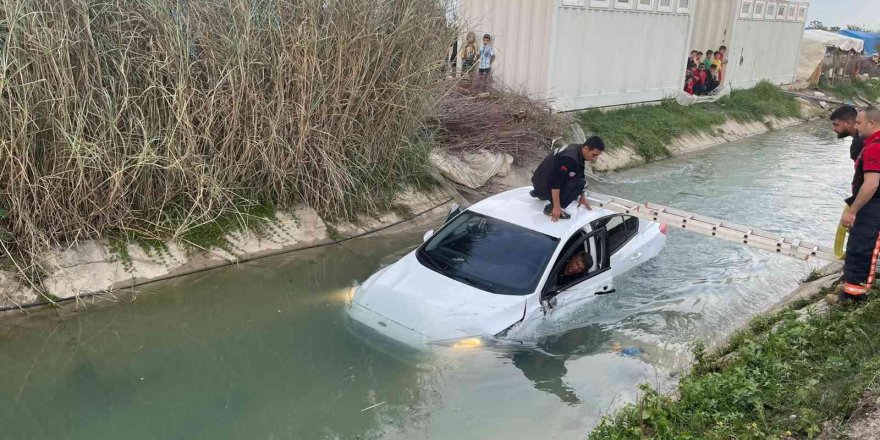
563, 290
625, 243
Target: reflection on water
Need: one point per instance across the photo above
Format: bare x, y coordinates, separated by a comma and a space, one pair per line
264, 350
544, 364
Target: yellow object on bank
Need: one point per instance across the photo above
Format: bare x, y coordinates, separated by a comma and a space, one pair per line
839, 239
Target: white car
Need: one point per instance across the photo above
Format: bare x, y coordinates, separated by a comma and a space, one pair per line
497, 264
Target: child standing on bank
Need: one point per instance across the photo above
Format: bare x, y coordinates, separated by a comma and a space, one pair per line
469, 56
722, 55
487, 57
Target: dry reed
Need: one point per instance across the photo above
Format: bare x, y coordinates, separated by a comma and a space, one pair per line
157, 116
501, 121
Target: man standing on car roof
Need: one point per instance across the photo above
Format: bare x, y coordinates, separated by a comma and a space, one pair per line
560, 177
863, 214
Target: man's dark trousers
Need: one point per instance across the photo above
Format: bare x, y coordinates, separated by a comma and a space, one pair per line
862, 249
567, 194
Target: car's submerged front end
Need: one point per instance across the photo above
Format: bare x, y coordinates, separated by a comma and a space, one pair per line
413, 304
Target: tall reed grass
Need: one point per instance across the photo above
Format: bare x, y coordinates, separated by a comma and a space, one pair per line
157, 116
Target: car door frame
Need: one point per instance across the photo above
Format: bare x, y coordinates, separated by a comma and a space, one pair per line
627, 261
550, 291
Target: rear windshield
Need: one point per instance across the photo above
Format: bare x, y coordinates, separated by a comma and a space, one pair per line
489, 254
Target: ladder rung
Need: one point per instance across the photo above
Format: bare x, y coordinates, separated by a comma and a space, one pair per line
709, 226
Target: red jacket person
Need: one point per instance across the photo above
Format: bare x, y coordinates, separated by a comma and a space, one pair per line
863, 214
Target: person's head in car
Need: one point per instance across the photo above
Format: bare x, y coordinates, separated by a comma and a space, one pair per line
579, 264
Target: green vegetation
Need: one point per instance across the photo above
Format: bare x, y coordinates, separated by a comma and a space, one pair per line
334, 233
852, 90
211, 234
650, 129
402, 211
814, 275
780, 378
157, 118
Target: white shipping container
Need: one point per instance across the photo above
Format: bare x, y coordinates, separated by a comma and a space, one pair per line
607, 57
765, 48
598, 53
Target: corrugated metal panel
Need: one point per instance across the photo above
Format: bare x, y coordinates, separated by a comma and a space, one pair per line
605, 57
713, 21
764, 50
521, 32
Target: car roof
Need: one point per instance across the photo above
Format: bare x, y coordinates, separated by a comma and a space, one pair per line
518, 207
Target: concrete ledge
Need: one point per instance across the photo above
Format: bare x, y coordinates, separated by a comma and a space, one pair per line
91, 268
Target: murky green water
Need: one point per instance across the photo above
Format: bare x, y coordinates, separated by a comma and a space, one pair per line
262, 350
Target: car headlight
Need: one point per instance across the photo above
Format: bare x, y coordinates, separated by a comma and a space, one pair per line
463, 343
350, 294
467, 343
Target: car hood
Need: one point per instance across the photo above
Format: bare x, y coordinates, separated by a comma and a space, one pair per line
435, 306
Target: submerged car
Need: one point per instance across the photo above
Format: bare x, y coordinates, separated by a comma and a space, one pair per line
498, 264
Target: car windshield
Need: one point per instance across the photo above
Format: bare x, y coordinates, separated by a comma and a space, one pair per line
489, 254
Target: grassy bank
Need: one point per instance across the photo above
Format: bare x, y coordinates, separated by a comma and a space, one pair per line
650, 129
783, 377
156, 118
852, 90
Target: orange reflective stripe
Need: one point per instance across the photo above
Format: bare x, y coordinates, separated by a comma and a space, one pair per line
854, 289
873, 267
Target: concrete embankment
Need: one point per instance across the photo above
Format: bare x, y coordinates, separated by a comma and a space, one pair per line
92, 267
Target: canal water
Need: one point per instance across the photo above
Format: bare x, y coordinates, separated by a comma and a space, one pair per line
263, 350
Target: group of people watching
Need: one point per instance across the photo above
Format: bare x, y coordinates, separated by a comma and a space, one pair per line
476, 61
870, 66
705, 72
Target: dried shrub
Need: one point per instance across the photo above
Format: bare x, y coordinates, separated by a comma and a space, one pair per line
502, 121
157, 116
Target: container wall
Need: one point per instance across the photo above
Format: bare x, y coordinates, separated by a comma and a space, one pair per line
606, 54
713, 24
766, 47
521, 32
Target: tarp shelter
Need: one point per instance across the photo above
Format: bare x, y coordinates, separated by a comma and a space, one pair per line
815, 54
870, 39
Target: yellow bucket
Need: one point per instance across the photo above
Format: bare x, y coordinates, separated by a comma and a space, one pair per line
840, 239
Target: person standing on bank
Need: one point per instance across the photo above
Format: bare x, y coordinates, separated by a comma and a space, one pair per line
469, 56
560, 179
487, 58
863, 215
843, 122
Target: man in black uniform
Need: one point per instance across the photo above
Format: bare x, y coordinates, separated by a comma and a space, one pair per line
863, 214
560, 177
843, 122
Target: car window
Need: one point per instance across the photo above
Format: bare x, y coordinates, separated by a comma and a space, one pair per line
489, 254
632, 227
621, 228
575, 268
572, 241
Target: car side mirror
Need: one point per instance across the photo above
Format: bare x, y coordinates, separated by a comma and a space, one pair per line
428, 235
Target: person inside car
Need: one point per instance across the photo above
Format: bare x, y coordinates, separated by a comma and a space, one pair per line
576, 267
